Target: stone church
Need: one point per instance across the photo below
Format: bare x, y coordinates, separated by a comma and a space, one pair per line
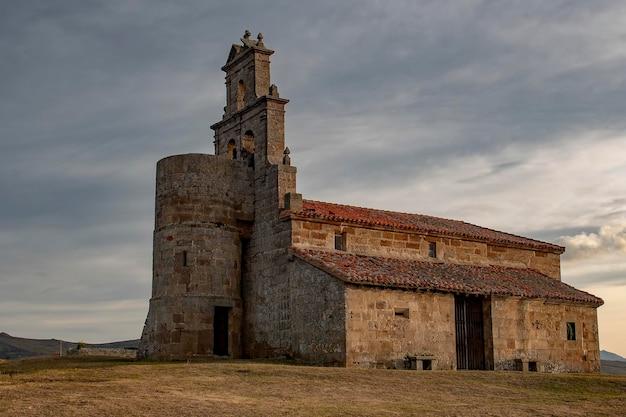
244, 267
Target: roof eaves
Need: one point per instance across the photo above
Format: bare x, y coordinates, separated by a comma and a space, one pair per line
466, 288
540, 246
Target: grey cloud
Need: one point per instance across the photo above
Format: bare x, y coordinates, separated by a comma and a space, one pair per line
92, 322
615, 279
613, 211
496, 168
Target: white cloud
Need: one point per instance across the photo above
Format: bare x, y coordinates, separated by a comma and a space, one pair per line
609, 239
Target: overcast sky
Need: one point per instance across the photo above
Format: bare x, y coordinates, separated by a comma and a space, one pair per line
505, 114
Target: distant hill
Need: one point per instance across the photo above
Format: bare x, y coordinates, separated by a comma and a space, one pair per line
612, 364
18, 347
608, 356
614, 367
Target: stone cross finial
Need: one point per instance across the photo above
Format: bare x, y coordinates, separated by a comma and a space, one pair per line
246, 39
247, 42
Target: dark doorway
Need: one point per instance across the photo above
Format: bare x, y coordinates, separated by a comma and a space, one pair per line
220, 331
470, 340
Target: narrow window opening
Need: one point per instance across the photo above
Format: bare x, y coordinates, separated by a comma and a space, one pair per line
571, 330
432, 249
247, 147
241, 92
340, 241
401, 313
185, 258
532, 366
232, 149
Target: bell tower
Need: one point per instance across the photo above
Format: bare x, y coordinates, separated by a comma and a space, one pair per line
252, 133
253, 125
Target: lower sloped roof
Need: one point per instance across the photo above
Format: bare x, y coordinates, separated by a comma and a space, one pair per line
438, 276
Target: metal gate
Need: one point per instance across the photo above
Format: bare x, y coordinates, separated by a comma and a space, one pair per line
470, 341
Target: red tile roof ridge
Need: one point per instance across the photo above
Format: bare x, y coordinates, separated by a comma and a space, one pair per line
421, 274
417, 222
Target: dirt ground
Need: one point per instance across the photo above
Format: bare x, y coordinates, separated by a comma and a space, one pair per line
106, 387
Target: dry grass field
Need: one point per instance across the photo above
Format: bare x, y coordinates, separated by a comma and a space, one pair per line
113, 387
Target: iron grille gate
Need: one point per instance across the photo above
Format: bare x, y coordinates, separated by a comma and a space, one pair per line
470, 341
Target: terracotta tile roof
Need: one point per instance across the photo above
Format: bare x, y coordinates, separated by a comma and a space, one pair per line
415, 222
437, 276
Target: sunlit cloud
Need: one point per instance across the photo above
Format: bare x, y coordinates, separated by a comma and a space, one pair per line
609, 239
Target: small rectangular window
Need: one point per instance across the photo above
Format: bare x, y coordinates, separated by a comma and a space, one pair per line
432, 249
340, 241
571, 330
401, 312
184, 258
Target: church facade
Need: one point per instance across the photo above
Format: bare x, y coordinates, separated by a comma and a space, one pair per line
245, 267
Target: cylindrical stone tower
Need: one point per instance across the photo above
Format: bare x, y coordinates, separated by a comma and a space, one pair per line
202, 204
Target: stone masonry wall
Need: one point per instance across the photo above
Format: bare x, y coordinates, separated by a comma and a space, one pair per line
384, 326
317, 304
266, 288
405, 244
533, 331
114, 352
